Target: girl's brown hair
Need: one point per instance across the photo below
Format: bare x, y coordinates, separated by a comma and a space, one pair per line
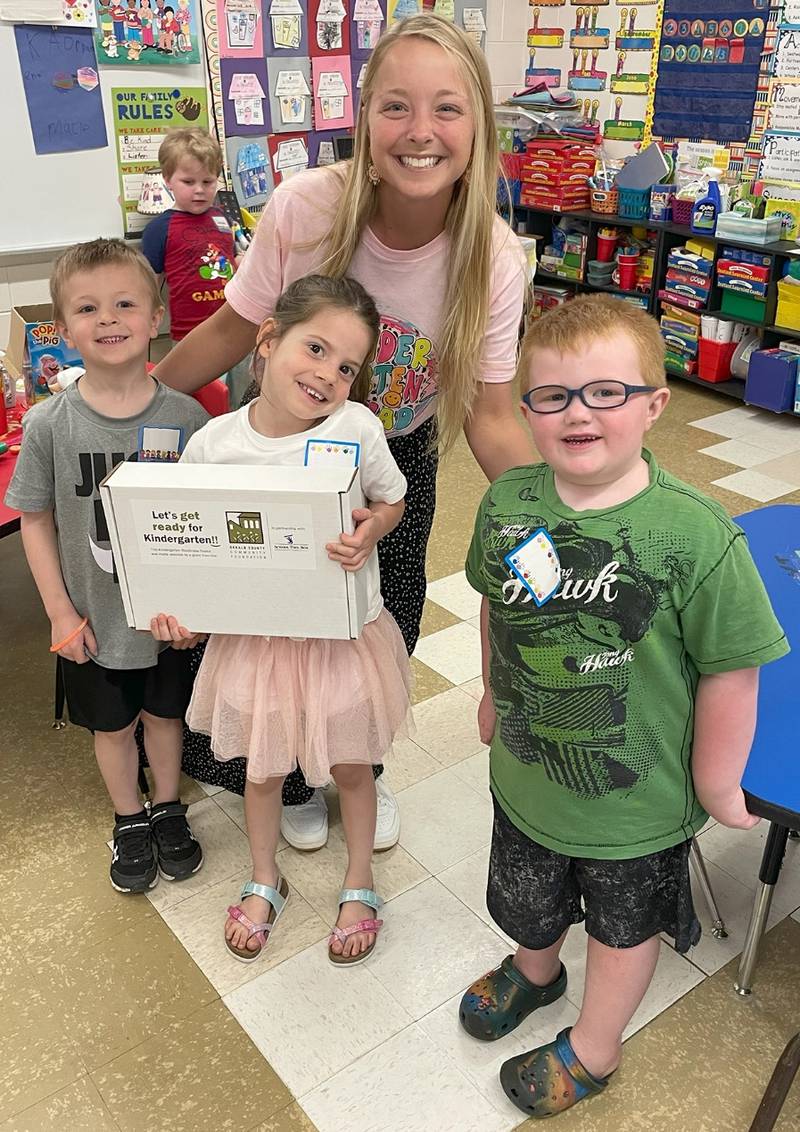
304, 298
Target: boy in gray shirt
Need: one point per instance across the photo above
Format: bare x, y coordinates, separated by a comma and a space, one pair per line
106, 303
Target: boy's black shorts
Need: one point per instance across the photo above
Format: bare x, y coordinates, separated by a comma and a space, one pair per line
109, 699
535, 894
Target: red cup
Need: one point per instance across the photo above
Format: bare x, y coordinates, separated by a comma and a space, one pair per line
605, 248
627, 276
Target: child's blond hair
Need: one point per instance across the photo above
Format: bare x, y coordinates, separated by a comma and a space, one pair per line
470, 222
194, 143
582, 321
93, 256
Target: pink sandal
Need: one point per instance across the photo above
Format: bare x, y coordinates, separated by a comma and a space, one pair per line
277, 898
363, 896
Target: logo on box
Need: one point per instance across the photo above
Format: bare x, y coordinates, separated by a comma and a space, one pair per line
244, 527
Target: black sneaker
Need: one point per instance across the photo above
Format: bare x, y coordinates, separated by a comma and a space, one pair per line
133, 862
179, 854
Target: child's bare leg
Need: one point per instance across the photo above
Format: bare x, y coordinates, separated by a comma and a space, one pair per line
359, 803
262, 811
163, 740
616, 981
118, 761
540, 967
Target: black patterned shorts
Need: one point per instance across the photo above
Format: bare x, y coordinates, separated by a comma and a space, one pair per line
534, 894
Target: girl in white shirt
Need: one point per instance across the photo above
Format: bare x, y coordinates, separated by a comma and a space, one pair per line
330, 707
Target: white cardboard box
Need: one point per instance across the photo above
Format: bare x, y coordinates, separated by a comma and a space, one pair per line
235, 548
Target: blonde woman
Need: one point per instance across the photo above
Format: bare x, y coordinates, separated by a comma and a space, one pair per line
412, 218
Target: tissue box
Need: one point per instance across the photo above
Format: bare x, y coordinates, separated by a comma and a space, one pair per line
236, 549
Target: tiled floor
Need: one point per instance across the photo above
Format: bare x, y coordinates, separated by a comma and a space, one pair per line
128, 1014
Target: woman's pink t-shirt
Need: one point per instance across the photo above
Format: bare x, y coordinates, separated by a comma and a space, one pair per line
408, 287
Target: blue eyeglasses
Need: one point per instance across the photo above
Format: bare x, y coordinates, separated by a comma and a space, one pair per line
595, 395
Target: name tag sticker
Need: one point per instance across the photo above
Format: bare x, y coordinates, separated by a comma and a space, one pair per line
160, 443
221, 223
332, 453
535, 562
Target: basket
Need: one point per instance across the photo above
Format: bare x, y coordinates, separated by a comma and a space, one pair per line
634, 204
682, 212
605, 201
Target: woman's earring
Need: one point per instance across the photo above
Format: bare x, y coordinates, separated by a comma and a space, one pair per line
373, 176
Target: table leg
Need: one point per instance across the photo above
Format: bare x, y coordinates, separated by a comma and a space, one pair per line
768, 875
718, 929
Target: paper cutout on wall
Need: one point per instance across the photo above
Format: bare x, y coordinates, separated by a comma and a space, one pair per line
584, 75
292, 92
147, 32
445, 8
622, 129
367, 25
329, 19
474, 24
631, 38
239, 28
545, 36
54, 13
586, 33
289, 155
333, 102
251, 171
285, 18
632, 82
399, 9
64, 106
244, 90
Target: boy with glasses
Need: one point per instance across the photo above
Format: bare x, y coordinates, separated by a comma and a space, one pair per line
623, 623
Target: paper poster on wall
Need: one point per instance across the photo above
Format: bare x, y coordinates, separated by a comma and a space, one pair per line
474, 24
147, 32
288, 154
289, 93
783, 113
142, 116
62, 92
244, 94
251, 171
791, 13
286, 18
780, 158
787, 54
329, 20
239, 27
332, 84
445, 8
54, 13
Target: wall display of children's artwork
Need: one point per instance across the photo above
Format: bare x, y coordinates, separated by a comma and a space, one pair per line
244, 91
399, 9
53, 13
367, 22
329, 27
288, 27
708, 69
147, 32
333, 87
357, 69
142, 116
62, 91
251, 171
320, 146
289, 88
473, 21
240, 28
288, 155
445, 8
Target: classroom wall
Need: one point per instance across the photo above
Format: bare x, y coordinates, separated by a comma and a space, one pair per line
25, 279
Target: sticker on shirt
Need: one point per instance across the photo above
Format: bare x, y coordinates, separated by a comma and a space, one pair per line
535, 562
332, 453
160, 443
221, 223
404, 377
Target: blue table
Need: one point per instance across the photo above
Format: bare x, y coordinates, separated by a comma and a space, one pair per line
771, 779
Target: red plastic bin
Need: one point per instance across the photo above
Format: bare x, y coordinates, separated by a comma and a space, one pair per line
715, 360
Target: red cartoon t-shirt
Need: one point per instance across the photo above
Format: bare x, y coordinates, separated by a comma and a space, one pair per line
195, 254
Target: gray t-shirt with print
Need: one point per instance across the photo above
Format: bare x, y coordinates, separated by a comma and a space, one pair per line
67, 450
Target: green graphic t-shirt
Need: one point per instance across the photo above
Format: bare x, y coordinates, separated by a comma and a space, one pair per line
595, 688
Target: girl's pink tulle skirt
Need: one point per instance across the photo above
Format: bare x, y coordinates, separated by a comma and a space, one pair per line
282, 703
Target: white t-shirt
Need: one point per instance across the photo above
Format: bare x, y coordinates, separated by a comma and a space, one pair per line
408, 287
231, 439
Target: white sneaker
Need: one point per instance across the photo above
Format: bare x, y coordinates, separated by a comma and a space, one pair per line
387, 827
306, 827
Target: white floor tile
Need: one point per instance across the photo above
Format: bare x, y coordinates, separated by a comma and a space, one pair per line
455, 594
739, 852
311, 1019
475, 771
474, 688
408, 764
730, 423
431, 948
738, 452
208, 789
481, 1061
754, 485
778, 441
199, 922
405, 1087
475, 622
467, 880
233, 805
447, 726
225, 854
454, 653
443, 820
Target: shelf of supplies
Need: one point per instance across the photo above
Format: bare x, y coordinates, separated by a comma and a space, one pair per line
550, 277
784, 330
733, 388
723, 316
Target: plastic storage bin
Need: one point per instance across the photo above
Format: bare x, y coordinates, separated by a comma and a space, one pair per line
788, 311
771, 380
714, 362
605, 201
732, 226
743, 306
634, 204
682, 211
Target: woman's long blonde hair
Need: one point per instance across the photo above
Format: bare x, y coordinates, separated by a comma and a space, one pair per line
469, 223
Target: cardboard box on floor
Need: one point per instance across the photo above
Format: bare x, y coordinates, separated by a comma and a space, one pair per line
235, 549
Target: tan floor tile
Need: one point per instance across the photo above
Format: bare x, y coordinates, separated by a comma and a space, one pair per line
434, 618
78, 1108
786, 468
291, 1119
427, 683
116, 996
211, 1077
408, 763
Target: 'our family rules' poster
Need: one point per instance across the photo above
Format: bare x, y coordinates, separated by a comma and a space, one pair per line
147, 32
142, 117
